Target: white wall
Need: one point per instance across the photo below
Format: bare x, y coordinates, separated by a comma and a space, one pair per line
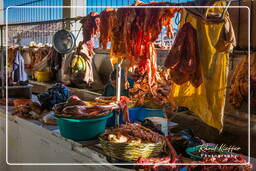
1, 11
74, 12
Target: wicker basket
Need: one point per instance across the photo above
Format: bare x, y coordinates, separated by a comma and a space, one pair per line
152, 105
102, 99
132, 104
131, 151
93, 116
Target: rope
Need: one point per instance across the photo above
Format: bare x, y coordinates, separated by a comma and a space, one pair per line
177, 22
78, 33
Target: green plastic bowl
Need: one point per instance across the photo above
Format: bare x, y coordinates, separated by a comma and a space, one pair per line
82, 129
190, 151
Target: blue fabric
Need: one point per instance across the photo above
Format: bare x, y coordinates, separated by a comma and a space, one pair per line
56, 94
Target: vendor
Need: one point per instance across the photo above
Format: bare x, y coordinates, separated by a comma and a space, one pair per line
110, 88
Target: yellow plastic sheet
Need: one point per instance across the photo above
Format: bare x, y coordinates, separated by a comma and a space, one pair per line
208, 100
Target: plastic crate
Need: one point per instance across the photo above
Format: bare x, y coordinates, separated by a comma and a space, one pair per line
138, 113
21, 92
147, 112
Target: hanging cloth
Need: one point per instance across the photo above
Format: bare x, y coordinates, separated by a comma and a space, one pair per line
19, 68
208, 100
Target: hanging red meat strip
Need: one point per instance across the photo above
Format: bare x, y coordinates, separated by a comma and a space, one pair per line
91, 27
183, 59
107, 22
134, 33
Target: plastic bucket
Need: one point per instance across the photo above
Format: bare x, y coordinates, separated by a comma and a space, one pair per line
82, 129
43, 76
132, 115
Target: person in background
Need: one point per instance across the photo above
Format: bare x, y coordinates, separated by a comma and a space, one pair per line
110, 88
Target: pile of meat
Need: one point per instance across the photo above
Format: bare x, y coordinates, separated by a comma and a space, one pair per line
9, 101
133, 133
35, 111
232, 159
133, 33
239, 89
183, 59
74, 107
29, 111
156, 163
123, 105
158, 92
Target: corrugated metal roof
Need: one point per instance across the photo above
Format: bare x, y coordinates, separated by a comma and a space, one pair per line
44, 14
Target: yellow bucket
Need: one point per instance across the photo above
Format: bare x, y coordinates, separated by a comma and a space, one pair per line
43, 76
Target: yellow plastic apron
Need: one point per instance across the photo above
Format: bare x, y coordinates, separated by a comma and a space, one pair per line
208, 100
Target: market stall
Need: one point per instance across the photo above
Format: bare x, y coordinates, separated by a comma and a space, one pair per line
134, 124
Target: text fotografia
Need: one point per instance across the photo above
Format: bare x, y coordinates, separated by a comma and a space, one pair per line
205, 155
222, 151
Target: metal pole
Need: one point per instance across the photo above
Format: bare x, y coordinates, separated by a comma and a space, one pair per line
118, 83
2, 62
162, 38
252, 18
118, 89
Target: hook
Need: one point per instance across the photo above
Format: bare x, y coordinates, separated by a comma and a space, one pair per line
225, 10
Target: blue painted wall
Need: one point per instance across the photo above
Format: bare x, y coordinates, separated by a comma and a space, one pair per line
120, 3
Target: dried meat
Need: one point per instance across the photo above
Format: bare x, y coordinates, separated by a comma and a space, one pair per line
239, 88
107, 22
183, 59
133, 35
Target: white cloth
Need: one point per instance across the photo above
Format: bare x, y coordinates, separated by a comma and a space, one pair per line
19, 68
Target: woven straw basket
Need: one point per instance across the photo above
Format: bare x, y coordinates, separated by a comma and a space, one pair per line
131, 151
92, 116
101, 99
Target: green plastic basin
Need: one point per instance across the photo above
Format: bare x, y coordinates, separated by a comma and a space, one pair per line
190, 151
82, 129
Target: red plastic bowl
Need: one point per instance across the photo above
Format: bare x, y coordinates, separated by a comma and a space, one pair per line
19, 102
